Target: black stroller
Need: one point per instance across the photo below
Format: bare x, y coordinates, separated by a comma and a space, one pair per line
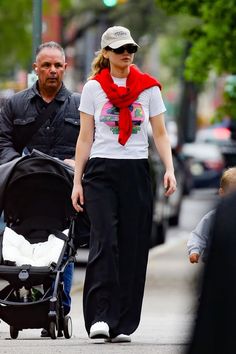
37, 202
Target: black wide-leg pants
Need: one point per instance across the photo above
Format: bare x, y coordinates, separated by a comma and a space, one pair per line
118, 200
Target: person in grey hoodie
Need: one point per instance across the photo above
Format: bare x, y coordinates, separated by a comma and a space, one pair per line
199, 238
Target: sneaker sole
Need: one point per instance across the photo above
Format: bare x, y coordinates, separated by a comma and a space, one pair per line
117, 340
99, 334
121, 341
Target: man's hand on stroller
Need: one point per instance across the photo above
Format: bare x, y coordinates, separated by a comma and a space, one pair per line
70, 162
77, 197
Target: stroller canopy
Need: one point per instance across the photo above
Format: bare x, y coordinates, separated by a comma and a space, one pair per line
38, 189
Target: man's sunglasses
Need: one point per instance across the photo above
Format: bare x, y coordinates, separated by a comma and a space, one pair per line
131, 49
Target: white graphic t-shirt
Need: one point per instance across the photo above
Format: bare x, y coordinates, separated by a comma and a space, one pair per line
94, 101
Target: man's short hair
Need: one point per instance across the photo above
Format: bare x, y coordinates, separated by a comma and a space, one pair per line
50, 44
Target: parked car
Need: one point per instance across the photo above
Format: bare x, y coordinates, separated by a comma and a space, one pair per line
206, 163
160, 212
215, 134
222, 137
184, 186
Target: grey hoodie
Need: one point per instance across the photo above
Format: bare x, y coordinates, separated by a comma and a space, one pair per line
198, 240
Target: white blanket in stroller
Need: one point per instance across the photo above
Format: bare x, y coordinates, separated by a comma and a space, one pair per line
16, 248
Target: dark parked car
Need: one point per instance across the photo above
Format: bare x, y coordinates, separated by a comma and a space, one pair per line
160, 212
206, 163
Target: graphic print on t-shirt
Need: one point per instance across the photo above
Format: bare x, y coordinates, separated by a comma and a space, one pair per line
110, 116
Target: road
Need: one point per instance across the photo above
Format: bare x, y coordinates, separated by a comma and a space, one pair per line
169, 301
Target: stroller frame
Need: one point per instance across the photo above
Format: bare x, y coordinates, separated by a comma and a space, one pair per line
48, 310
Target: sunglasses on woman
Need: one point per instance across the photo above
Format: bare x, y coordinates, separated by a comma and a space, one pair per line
130, 48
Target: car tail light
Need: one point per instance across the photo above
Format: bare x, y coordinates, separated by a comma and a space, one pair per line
214, 165
222, 133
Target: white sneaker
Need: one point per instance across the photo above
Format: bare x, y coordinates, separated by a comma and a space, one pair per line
121, 338
99, 330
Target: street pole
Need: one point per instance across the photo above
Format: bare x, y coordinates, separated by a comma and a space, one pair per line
37, 35
37, 26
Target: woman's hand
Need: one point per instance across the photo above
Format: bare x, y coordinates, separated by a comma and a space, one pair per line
169, 183
77, 197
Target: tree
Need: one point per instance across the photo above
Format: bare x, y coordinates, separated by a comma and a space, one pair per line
213, 37
15, 35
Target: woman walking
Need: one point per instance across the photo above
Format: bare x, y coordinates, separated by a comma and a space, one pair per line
112, 182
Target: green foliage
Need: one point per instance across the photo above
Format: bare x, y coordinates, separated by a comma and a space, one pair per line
15, 35
171, 52
228, 108
213, 38
181, 6
172, 46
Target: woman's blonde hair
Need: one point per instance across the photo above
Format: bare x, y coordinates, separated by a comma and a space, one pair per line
228, 178
98, 63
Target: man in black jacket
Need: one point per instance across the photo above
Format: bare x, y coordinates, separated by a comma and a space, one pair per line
57, 135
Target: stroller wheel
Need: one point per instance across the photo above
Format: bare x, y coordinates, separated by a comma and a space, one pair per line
52, 330
13, 332
67, 327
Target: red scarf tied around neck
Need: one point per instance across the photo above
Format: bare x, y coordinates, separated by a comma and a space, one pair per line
122, 97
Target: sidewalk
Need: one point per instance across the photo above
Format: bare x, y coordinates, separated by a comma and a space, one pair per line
168, 307
169, 302
167, 315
